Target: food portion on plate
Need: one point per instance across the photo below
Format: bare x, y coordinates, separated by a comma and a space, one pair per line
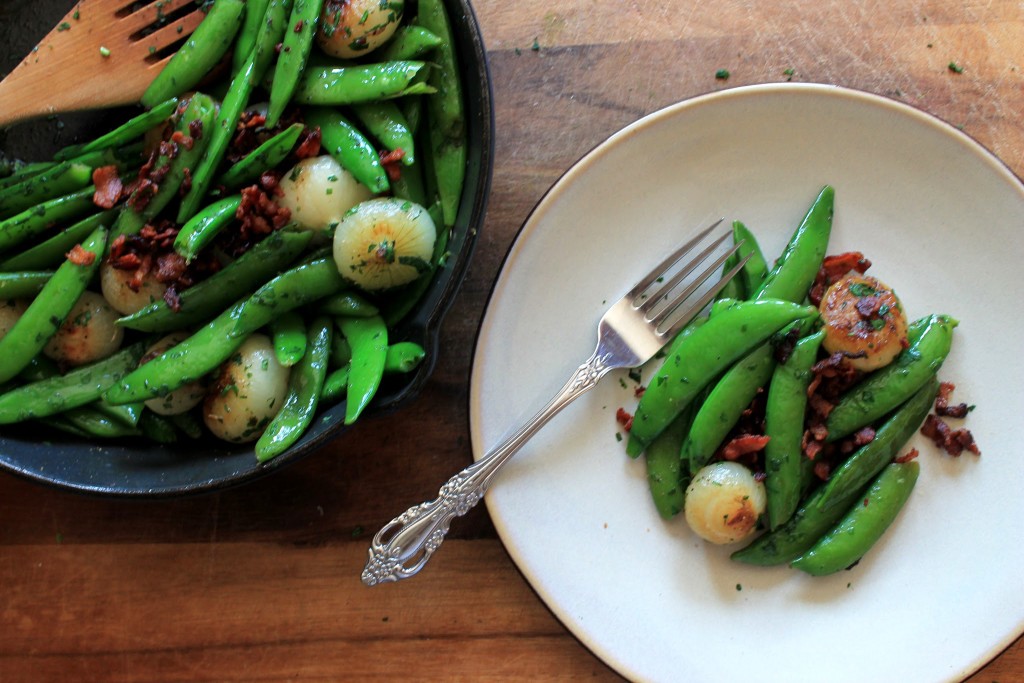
786, 409
238, 255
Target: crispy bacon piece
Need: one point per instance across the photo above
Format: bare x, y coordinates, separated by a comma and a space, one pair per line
907, 457
742, 445
392, 163
182, 140
942, 407
953, 441
309, 143
624, 419
151, 251
109, 187
834, 267
81, 257
258, 214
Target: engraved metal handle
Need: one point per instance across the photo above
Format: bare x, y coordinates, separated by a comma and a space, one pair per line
403, 546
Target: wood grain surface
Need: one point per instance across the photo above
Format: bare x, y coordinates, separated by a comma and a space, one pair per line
262, 582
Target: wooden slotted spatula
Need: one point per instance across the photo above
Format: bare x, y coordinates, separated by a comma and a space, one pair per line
102, 54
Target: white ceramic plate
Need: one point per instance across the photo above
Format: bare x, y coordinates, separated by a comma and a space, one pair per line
943, 222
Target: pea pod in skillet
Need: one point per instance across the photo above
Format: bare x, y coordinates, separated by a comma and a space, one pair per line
338, 85
295, 49
368, 338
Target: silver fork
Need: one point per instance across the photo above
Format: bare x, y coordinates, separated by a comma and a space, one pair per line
629, 334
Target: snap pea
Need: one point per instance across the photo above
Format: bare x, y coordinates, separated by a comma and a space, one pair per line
812, 520
127, 414
245, 41
200, 230
409, 185
702, 356
342, 85
368, 338
305, 383
733, 289
62, 179
665, 468
755, 269
288, 333
349, 147
188, 424
864, 463
51, 252
291, 62
785, 409
401, 357
889, 386
271, 34
124, 134
59, 393
347, 303
795, 270
47, 312
341, 352
446, 111
386, 123
158, 428
864, 523
95, 424
23, 285
268, 155
218, 139
40, 218
215, 342
199, 53
208, 298
409, 42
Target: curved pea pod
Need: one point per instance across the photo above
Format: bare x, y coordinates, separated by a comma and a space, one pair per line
208, 298
785, 408
200, 230
304, 387
295, 49
386, 123
813, 519
889, 386
271, 34
343, 85
64, 178
401, 358
158, 428
124, 134
288, 333
23, 285
733, 289
98, 424
59, 393
40, 218
368, 338
199, 54
665, 471
795, 270
349, 147
52, 251
863, 524
248, 32
268, 155
47, 312
702, 356
409, 42
755, 270
347, 303
309, 281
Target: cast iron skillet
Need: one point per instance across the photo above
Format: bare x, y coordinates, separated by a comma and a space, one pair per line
136, 469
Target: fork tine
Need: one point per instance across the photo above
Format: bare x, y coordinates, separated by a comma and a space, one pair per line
705, 298
667, 287
670, 260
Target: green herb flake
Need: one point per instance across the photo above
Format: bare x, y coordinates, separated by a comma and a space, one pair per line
104, 51
536, 46
64, 26
859, 289
722, 74
955, 68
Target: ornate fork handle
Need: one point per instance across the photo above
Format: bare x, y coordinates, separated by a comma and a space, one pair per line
403, 546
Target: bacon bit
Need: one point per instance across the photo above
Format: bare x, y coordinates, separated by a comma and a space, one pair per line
743, 445
109, 187
863, 437
866, 502
151, 251
785, 346
186, 181
172, 298
195, 129
869, 306
182, 140
309, 143
907, 457
833, 268
391, 161
640, 391
624, 419
822, 470
953, 441
80, 256
258, 213
298, 26
942, 406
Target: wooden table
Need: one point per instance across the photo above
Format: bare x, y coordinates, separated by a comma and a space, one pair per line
262, 582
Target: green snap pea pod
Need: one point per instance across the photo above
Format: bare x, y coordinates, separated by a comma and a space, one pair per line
215, 342
200, 230
158, 428
733, 289
124, 158
864, 463
245, 41
47, 312
864, 523
785, 408
812, 519
62, 179
218, 138
127, 414
402, 357
96, 424
386, 122
78, 387
348, 303
889, 386
275, 24
199, 54
725, 403
795, 270
52, 251
368, 338
208, 298
288, 332
304, 386
756, 268
291, 62
341, 351
188, 424
665, 468
124, 134
703, 356
40, 218
24, 171
23, 285
268, 155
409, 42
446, 111
344, 85
59, 423
349, 147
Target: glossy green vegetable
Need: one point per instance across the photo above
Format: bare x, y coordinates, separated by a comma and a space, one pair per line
409, 42
755, 270
401, 357
248, 32
23, 285
368, 338
51, 252
47, 312
385, 122
126, 133
338, 85
348, 303
864, 523
58, 181
199, 54
38, 219
95, 424
268, 155
349, 147
291, 62
889, 386
665, 468
785, 409
202, 228
733, 289
288, 333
